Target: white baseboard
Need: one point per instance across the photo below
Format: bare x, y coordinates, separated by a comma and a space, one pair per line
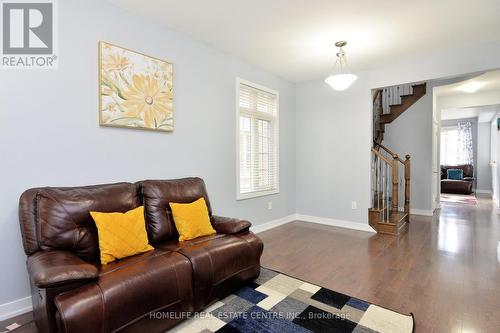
15, 308
335, 222
423, 212
311, 219
273, 224
483, 191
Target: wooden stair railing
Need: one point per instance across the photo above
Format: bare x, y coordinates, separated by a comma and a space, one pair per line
387, 215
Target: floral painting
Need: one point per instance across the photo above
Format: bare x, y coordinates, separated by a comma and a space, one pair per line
135, 90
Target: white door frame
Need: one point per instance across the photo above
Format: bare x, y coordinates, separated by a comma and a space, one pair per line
436, 145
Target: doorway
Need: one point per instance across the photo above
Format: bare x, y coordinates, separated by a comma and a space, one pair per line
464, 144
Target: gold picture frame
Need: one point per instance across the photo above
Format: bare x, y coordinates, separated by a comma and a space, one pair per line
135, 90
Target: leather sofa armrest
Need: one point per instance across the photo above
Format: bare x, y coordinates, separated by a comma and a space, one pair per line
51, 268
227, 225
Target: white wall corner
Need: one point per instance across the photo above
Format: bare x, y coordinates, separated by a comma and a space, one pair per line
15, 308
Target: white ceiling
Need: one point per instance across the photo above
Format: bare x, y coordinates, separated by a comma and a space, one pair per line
483, 113
488, 81
294, 38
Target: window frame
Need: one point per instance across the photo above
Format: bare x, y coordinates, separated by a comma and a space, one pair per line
261, 193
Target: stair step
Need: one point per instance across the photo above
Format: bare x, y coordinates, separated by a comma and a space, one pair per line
396, 225
419, 90
397, 217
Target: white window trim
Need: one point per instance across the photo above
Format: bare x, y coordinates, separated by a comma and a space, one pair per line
256, 194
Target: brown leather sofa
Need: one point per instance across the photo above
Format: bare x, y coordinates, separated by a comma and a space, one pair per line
465, 186
72, 292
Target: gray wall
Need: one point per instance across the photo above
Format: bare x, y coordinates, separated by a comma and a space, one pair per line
483, 157
411, 133
50, 134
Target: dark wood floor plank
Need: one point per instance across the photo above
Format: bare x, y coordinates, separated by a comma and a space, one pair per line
445, 269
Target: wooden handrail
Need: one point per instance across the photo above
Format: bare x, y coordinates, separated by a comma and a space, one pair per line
382, 157
393, 154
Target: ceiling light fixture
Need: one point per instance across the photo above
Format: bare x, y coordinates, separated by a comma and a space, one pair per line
471, 87
341, 78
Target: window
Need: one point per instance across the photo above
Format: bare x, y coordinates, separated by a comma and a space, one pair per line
457, 144
449, 145
257, 135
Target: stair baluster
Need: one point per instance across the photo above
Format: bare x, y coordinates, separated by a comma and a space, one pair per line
395, 183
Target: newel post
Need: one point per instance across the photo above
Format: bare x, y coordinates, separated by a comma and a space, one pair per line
407, 183
395, 183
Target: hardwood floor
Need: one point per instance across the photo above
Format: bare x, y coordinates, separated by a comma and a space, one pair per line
445, 269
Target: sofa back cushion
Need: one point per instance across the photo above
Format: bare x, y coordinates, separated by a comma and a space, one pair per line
468, 170
157, 194
61, 215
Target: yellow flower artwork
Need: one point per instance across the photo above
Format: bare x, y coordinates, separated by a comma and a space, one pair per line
135, 90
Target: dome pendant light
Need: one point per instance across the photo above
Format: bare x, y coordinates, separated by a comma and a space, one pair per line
341, 78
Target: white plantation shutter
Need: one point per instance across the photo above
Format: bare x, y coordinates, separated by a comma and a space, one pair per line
258, 140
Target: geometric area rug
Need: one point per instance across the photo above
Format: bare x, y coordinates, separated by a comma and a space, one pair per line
278, 303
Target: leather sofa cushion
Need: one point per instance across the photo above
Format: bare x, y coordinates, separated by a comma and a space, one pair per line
127, 262
127, 293
468, 170
63, 215
456, 186
216, 258
157, 194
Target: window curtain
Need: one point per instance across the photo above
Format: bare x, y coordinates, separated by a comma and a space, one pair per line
465, 148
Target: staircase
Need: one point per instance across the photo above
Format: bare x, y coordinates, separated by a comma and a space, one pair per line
390, 188
389, 103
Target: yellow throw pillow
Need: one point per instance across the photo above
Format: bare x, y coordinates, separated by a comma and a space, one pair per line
121, 234
191, 219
